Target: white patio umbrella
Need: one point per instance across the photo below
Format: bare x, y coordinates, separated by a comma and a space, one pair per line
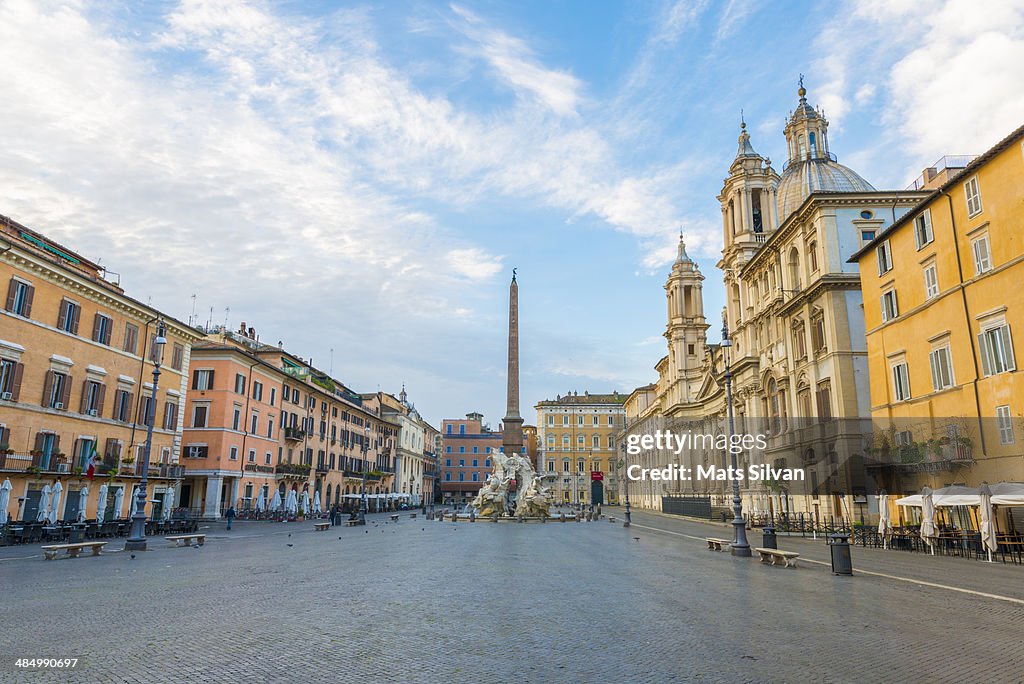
169, 497
57, 490
5, 499
305, 503
44, 504
988, 523
261, 501
83, 499
927, 518
118, 501
290, 504
884, 520
101, 504
317, 508
275, 503
1008, 493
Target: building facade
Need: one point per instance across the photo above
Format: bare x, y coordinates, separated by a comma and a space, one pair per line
469, 446
946, 394
76, 362
577, 440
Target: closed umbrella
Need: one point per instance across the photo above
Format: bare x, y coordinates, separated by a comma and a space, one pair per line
884, 521
101, 504
305, 503
317, 508
988, 523
83, 499
261, 501
290, 504
57, 490
44, 504
118, 501
5, 500
927, 518
168, 503
275, 503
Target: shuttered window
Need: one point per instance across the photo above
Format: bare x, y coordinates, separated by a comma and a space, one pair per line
19, 298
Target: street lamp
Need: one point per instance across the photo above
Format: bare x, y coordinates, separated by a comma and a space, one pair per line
740, 546
362, 490
137, 540
625, 468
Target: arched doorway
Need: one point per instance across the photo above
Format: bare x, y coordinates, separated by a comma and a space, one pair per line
597, 492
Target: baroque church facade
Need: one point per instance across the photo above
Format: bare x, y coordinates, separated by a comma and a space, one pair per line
795, 316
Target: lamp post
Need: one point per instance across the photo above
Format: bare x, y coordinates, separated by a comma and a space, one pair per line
137, 540
625, 469
740, 546
362, 489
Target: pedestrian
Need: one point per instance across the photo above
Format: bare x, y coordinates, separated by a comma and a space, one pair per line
334, 515
230, 515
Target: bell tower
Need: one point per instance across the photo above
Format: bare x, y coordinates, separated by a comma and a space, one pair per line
687, 329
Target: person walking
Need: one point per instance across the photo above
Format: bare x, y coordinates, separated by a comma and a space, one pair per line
230, 515
334, 514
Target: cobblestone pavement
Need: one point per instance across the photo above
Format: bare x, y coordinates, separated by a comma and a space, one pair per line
422, 601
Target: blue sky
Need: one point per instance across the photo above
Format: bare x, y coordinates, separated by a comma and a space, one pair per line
363, 177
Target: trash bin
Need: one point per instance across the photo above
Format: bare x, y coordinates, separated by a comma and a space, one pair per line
76, 535
768, 538
842, 564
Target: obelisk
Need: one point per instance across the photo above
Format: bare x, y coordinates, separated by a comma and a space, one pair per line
512, 434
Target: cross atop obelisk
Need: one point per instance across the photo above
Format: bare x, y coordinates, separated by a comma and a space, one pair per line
512, 433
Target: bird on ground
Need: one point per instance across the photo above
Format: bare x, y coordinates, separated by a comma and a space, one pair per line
290, 545
133, 556
636, 538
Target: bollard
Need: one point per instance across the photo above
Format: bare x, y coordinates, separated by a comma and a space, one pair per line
768, 539
842, 563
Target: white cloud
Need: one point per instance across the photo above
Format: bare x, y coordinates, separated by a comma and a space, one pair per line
474, 263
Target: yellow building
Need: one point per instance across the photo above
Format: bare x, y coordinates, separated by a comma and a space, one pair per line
76, 380
576, 436
941, 305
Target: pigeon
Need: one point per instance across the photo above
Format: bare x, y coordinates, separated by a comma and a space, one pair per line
289, 534
636, 538
133, 556
339, 538
290, 545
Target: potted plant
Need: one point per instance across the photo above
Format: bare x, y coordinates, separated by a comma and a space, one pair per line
33, 470
77, 470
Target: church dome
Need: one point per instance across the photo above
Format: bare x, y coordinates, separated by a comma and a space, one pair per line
811, 167
802, 177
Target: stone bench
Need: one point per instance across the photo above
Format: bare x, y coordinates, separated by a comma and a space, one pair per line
184, 539
52, 550
718, 544
394, 516
412, 516
352, 523
774, 556
611, 519
321, 526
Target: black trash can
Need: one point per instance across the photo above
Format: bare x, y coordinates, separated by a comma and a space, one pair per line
76, 534
842, 564
768, 540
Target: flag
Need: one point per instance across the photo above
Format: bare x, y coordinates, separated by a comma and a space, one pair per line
94, 460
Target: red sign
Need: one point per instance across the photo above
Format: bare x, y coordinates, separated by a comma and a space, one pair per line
596, 476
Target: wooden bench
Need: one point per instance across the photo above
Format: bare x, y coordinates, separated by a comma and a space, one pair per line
184, 539
321, 526
50, 551
773, 555
394, 516
412, 516
718, 544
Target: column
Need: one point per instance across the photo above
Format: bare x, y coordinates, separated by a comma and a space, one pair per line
213, 485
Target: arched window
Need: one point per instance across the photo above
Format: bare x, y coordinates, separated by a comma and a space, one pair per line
565, 441
328, 493
814, 146
732, 216
597, 441
812, 255
801, 146
794, 269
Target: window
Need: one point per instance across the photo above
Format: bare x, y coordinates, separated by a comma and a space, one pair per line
884, 255
942, 368
270, 427
580, 442
866, 214
233, 453
799, 343
579, 419
597, 441
199, 414
449, 429
254, 423
177, 356
982, 255
889, 308
56, 390
273, 398
476, 450
122, 405
487, 450
551, 442
931, 282
565, 466
611, 442
102, 327
462, 429
551, 421
475, 463
901, 381
823, 398
19, 298
92, 398
10, 379
171, 415
462, 463
236, 418
239, 383
448, 450
923, 229
818, 333
1005, 422
252, 455
476, 477
448, 476
611, 421
131, 338
203, 380
551, 466
462, 477
866, 236
462, 449
67, 319
565, 442
257, 390
812, 251
996, 348
581, 466
487, 463
196, 451
973, 196
565, 420
595, 421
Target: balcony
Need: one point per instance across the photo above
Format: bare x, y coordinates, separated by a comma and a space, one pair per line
296, 470
293, 434
322, 469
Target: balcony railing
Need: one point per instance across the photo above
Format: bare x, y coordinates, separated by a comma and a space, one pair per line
293, 469
294, 434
